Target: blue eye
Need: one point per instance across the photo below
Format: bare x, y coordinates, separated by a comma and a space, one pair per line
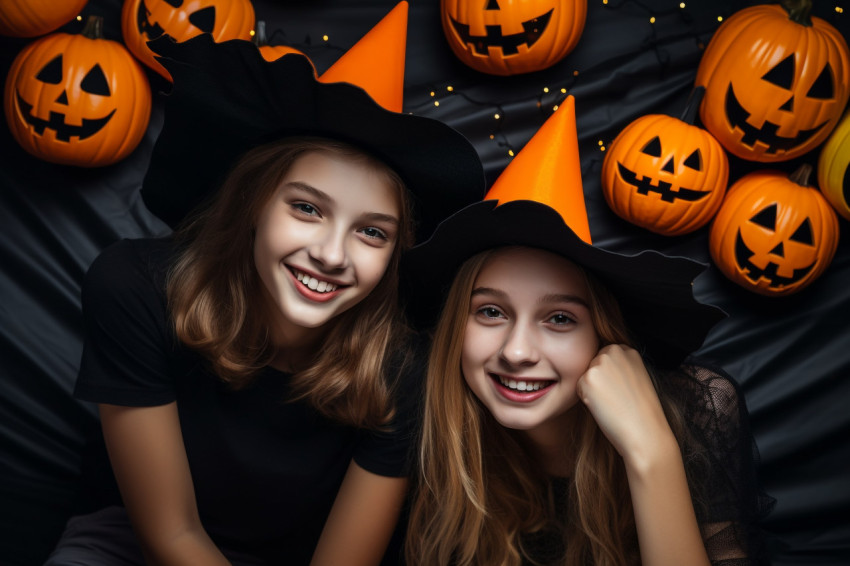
374, 233
490, 312
560, 319
305, 208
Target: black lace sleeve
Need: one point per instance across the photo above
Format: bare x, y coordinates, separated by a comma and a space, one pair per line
721, 459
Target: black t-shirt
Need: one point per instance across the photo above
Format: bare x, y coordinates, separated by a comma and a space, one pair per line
265, 471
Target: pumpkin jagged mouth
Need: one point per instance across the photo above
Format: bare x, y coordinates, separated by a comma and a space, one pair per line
532, 30
644, 186
738, 116
743, 255
56, 122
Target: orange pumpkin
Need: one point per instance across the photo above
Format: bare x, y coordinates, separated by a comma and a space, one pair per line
271, 52
776, 79
143, 20
509, 37
774, 234
77, 99
665, 174
834, 168
31, 18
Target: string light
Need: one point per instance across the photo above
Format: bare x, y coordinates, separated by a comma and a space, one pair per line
450, 88
545, 89
719, 18
682, 5
652, 20
325, 37
839, 9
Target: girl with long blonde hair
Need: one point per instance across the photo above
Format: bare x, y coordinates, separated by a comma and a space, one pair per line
563, 421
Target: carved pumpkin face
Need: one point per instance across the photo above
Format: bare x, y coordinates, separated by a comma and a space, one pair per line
77, 99
508, 37
775, 88
31, 18
144, 20
834, 168
773, 235
665, 175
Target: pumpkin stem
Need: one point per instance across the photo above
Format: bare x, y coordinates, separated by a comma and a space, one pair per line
798, 11
260, 38
692, 106
801, 175
94, 27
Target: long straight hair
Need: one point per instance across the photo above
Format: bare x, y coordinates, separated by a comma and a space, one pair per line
480, 490
214, 293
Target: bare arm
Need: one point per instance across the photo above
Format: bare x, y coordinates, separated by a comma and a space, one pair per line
146, 449
619, 393
362, 519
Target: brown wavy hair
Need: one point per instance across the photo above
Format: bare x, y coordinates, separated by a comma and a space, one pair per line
480, 490
214, 293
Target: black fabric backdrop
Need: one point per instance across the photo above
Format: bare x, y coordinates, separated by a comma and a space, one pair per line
792, 355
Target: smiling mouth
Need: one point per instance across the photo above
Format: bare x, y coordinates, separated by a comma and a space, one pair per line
521, 386
316, 285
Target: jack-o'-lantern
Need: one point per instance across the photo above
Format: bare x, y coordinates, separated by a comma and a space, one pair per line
776, 79
665, 174
272, 52
144, 20
509, 37
77, 99
31, 18
774, 234
834, 168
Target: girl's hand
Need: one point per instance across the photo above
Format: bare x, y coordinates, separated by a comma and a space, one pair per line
619, 393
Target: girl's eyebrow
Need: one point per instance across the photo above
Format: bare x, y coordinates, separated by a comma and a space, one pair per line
488, 291
559, 298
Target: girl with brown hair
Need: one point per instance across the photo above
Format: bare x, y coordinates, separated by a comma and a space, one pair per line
251, 370
563, 423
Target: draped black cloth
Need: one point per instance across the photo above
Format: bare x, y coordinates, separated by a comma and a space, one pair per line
790, 354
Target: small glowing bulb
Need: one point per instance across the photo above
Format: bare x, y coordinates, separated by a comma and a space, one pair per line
325, 37
252, 33
652, 20
575, 73
496, 116
681, 4
492, 137
545, 89
450, 88
433, 93
719, 18
511, 152
436, 103
839, 9
79, 18
604, 1
602, 148
601, 142
554, 108
563, 91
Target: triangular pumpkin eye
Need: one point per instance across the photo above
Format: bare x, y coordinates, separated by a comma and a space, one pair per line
492, 5
52, 72
204, 19
782, 75
95, 82
694, 160
653, 147
823, 86
803, 234
766, 218
174, 3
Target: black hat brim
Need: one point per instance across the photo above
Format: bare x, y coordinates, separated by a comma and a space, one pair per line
654, 290
227, 99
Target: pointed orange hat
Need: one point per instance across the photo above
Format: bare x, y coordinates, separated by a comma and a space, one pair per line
548, 170
538, 202
376, 62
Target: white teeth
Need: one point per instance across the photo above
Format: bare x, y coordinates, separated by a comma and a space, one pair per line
315, 284
521, 385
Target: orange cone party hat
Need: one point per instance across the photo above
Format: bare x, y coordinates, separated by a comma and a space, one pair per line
548, 170
376, 62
